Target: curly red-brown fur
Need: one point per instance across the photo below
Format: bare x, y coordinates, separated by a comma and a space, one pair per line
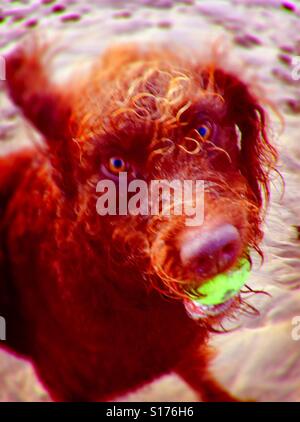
96, 302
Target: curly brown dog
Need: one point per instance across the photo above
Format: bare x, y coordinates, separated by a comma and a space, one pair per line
99, 304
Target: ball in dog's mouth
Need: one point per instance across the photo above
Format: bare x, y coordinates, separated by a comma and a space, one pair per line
217, 295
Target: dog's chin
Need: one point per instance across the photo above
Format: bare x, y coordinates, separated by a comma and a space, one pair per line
196, 311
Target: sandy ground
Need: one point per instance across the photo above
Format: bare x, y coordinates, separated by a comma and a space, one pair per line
259, 360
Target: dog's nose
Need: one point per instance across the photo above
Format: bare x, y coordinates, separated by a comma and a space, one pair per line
211, 251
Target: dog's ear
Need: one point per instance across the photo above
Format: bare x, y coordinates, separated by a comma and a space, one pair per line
257, 155
44, 104
28, 69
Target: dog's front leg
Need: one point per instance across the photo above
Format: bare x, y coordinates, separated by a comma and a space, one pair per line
194, 370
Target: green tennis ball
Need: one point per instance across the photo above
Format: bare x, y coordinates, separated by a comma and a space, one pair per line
222, 287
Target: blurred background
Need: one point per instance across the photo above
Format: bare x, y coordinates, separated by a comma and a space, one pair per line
259, 359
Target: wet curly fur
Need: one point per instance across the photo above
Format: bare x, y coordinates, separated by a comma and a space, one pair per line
96, 302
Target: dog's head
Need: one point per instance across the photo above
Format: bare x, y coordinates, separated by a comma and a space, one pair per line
145, 116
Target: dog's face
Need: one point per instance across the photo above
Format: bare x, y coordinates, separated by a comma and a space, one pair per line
152, 116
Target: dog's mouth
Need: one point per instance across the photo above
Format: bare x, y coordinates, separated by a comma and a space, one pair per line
218, 294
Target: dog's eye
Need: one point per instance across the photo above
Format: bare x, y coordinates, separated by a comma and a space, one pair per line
116, 165
204, 131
